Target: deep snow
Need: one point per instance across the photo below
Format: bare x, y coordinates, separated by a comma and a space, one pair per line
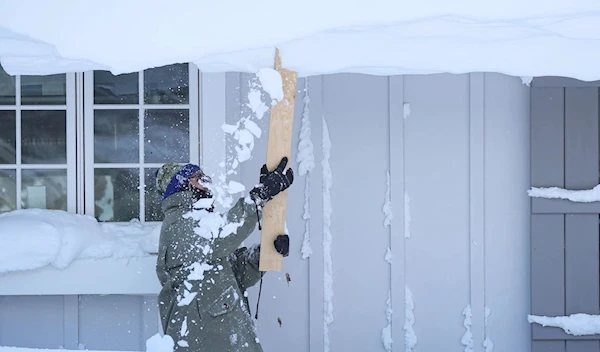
377, 37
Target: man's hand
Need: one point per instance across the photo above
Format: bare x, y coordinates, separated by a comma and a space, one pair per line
282, 245
272, 182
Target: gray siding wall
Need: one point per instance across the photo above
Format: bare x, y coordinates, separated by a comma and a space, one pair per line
461, 157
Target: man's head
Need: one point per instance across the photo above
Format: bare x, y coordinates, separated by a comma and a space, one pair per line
172, 178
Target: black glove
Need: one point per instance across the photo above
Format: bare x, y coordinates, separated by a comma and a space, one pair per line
282, 245
272, 182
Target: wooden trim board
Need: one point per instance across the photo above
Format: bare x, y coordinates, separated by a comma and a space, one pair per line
278, 145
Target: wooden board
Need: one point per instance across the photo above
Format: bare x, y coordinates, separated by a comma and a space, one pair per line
278, 145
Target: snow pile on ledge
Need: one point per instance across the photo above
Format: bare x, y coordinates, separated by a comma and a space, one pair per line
376, 36
575, 324
35, 238
584, 196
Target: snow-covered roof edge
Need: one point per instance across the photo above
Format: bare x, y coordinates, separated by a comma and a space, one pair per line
380, 37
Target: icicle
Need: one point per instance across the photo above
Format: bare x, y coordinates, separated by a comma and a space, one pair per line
387, 205
467, 338
487, 342
386, 332
388, 255
406, 215
327, 238
410, 338
406, 110
306, 163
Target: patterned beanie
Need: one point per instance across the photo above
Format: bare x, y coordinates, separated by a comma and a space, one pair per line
171, 177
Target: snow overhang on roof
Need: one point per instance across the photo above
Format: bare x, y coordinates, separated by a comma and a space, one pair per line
383, 37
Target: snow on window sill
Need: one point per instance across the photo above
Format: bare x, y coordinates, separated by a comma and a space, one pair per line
132, 276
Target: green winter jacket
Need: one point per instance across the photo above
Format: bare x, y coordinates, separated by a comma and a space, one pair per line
204, 277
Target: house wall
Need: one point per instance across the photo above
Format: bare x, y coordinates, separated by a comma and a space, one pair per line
459, 166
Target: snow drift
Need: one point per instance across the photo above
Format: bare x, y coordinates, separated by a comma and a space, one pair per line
35, 238
376, 37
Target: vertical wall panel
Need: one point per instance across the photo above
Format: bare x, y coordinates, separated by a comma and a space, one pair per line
437, 182
477, 203
507, 222
31, 321
357, 113
111, 322
547, 137
71, 321
315, 276
547, 269
581, 138
397, 227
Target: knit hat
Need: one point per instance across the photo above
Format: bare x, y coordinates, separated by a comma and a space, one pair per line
171, 177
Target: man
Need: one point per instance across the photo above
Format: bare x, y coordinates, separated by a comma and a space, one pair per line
203, 303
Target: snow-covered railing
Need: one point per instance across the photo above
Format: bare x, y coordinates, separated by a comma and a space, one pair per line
36, 238
52, 252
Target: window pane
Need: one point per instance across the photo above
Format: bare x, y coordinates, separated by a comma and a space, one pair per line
7, 89
45, 189
44, 137
116, 138
111, 89
167, 136
44, 90
116, 194
153, 198
8, 151
8, 190
167, 85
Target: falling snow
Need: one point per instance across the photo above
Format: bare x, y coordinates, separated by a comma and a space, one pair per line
272, 83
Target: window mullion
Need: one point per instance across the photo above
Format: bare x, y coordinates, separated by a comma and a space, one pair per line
142, 182
18, 140
71, 115
88, 141
194, 114
80, 142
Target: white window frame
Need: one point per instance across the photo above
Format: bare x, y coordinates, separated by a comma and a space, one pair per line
134, 276
87, 120
70, 114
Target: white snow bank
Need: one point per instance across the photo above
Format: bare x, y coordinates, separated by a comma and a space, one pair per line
35, 238
584, 196
376, 37
575, 324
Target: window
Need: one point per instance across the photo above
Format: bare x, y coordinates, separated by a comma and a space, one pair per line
91, 143
36, 115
